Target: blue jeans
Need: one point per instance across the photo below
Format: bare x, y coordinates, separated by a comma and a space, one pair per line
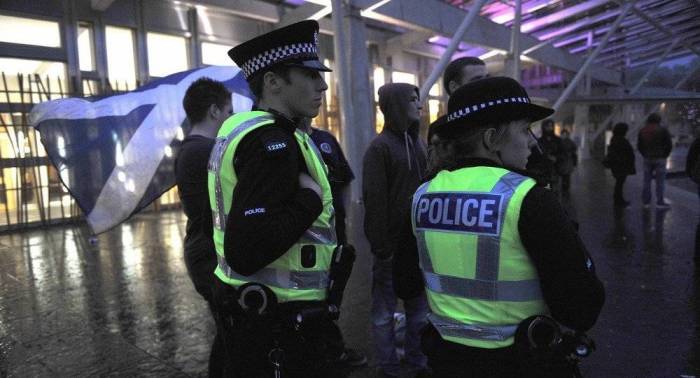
654, 169
383, 306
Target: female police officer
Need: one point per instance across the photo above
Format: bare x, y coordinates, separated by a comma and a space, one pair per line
495, 248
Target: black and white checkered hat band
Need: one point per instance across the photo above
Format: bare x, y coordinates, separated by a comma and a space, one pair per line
277, 54
480, 107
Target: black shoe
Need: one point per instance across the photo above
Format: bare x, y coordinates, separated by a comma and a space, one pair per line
351, 358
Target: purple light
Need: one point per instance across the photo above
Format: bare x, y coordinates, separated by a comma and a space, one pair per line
444, 41
294, 2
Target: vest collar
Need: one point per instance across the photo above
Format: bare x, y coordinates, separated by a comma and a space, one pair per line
281, 119
483, 162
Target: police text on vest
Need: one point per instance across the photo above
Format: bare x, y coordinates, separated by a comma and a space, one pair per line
459, 212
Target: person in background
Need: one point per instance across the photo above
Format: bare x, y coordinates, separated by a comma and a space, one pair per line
459, 72
692, 168
620, 160
654, 144
545, 157
207, 104
393, 167
568, 162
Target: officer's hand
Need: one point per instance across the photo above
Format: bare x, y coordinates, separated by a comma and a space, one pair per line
305, 181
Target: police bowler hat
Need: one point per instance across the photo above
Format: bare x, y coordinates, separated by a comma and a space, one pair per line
488, 101
295, 45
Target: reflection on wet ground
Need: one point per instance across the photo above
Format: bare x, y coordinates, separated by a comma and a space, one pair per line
122, 304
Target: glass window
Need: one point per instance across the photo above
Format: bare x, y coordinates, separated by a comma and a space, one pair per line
52, 77
378, 78
28, 31
435, 89
215, 54
121, 62
167, 54
433, 109
404, 77
85, 47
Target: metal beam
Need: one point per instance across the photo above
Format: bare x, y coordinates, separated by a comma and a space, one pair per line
100, 5
454, 42
651, 48
639, 84
561, 15
592, 57
514, 53
661, 28
305, 11
443, 19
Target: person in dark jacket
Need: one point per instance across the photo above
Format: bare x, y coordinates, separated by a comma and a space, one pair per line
207, 104
545, 158
691, 168
654, 144
393, 167
620, 160
569, 161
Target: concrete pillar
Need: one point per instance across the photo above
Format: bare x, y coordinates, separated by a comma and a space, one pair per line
633, 114
356, 137
70, 41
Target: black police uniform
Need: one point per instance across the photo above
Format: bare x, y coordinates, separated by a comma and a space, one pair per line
268, 178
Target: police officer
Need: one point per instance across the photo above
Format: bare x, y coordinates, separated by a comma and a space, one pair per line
272, 210
494, 248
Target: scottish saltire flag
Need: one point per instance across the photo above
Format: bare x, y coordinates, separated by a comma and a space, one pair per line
115, 154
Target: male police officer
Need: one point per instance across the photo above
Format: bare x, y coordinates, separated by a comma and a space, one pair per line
272, 209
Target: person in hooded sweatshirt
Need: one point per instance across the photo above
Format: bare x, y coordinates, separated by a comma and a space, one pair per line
393, 167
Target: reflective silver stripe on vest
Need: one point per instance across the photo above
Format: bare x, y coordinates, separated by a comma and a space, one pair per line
216, 160
487, 287
448, 327
488, 246
513, 291
318, 235
299, 280
423, 256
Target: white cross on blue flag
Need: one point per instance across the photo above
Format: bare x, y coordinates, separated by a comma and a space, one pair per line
115, 154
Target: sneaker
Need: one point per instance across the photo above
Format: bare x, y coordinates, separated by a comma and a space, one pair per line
352, 358
663, 205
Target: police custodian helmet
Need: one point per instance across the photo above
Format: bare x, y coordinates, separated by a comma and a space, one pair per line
295, 45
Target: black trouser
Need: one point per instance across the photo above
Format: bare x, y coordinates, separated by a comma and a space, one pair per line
452, 360
200, 267
619, 196
565, 183
250, 339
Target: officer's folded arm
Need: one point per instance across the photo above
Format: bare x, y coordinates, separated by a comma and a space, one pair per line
271, 211
570, 287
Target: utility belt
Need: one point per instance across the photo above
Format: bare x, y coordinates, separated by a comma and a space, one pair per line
543, 344
255, 302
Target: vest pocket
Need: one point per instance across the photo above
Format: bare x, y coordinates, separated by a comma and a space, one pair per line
308, 256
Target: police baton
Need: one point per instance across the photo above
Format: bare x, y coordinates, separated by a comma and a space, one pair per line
340, 270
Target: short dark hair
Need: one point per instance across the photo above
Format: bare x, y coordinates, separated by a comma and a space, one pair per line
256, 82
202, 94
620, 128
654, 118
454, 69
548, 122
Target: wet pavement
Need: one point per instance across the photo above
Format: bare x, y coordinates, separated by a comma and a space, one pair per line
123, 305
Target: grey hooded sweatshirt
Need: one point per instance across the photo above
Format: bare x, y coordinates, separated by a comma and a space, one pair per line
394, 166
